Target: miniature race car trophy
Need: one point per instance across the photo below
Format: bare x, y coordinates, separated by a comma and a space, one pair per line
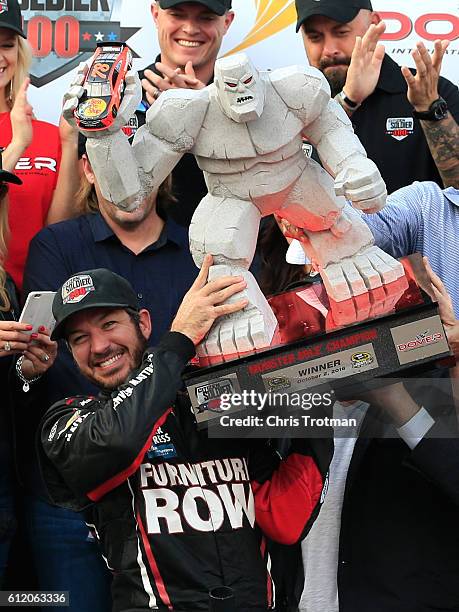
103, 86
246, 131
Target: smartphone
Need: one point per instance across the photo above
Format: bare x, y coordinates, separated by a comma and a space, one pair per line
38, 312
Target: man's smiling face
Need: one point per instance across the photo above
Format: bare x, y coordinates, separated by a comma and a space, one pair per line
107, 344
190, 32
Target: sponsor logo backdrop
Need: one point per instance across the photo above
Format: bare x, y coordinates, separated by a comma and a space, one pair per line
64, 32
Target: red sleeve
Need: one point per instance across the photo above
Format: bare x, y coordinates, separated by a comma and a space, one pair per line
287, 504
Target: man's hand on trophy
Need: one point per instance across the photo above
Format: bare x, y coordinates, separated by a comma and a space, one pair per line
360, 182
445, 307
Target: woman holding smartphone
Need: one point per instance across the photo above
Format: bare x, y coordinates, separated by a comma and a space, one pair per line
31, 354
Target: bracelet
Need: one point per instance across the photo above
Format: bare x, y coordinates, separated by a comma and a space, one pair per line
22, 378
346, 102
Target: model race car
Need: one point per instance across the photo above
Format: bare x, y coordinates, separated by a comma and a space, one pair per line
104, 86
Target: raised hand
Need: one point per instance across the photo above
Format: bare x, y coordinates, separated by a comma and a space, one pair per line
365, 67
21, 118
154, 84
423, 86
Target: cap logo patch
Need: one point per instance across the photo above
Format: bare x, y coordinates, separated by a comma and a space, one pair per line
77, 288
399, 127
3, 6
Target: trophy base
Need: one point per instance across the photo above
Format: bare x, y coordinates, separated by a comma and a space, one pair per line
314, 353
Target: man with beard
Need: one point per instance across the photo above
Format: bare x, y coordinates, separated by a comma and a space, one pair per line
407, 121
177, 513
153, 254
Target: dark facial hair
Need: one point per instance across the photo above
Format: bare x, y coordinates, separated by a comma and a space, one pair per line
336, 78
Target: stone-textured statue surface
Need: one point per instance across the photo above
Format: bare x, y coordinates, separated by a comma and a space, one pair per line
246, 131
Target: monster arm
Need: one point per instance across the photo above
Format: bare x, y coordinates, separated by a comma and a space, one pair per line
307, 95
356, 177
334, 138
126, 174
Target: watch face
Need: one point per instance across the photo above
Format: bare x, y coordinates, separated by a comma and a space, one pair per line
440, 109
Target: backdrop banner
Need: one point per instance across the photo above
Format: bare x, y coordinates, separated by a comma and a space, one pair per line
65, 32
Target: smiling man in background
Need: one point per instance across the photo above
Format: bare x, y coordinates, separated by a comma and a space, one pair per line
189, 35
406, 120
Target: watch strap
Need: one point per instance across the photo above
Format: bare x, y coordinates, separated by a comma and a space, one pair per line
346, 102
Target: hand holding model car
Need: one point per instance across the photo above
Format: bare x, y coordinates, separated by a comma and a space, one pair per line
104, 96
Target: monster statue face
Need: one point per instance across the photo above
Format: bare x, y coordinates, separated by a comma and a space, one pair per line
240, 89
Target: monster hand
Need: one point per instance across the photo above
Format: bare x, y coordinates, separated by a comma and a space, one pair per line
131, 100
360, 181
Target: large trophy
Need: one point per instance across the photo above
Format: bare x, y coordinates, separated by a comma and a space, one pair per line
246, 131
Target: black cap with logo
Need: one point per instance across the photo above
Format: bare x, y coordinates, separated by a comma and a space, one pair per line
339, 10
216, 6
98, 288
10, 16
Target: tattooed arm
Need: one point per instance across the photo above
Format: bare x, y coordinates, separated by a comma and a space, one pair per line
443, 140
442, 136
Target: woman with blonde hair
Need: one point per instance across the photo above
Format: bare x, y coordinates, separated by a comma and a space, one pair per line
36, 354
44, 156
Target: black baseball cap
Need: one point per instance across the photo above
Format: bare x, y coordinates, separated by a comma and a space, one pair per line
339, 10
10, 16
216, 6
98, 288
8, 177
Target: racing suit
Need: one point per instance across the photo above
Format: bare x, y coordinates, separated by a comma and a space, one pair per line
175, 511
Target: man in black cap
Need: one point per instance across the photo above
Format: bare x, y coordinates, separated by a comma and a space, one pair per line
189, 35
408, 123
173, 509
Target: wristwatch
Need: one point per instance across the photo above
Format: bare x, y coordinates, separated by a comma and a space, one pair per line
437, 111
346, 102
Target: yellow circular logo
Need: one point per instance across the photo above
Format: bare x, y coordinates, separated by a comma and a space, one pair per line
93, 107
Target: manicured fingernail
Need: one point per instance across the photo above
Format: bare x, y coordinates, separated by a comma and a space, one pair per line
34, 336
29, 327
41, 328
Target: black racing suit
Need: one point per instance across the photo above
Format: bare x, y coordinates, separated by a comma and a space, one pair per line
175, 511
